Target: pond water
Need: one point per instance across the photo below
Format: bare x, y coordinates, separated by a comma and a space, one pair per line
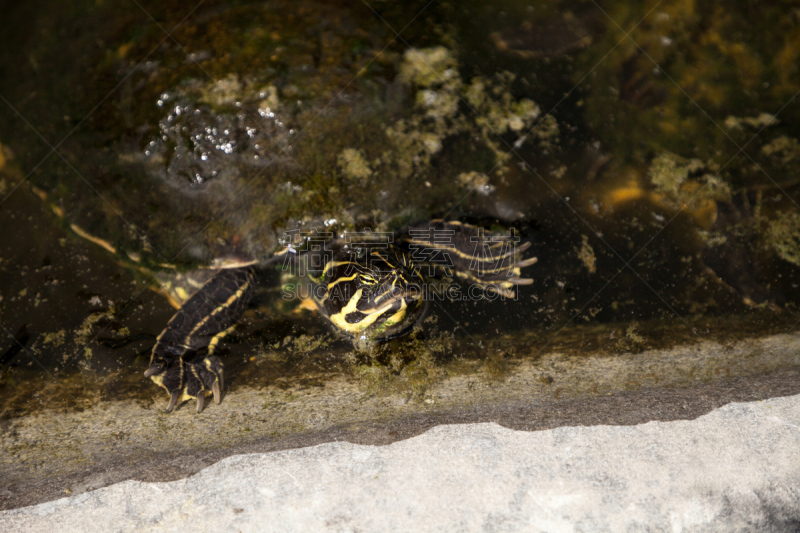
648, 150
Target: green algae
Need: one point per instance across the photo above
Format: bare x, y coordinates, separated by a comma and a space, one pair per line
409, 368
785, 149
784, 236
355, 166
586, 255
686, 183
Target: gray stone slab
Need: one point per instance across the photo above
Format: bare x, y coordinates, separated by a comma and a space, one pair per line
734, 469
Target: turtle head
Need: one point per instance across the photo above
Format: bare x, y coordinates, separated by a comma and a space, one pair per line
378, 297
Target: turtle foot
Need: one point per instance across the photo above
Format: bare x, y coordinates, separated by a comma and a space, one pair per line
189, 380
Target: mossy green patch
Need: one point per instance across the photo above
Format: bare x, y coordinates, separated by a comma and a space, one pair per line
784, 236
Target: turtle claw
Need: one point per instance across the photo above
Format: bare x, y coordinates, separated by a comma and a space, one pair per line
172, 401
154, 369
186, 380
201, 398
527, 262
217, 394
213, 378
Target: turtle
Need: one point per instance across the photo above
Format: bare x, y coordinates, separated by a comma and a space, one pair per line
370, 290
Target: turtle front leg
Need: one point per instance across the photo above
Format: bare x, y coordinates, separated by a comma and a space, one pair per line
197, 328
474, 255
189, 380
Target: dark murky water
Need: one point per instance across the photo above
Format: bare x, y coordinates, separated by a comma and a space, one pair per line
655, 173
